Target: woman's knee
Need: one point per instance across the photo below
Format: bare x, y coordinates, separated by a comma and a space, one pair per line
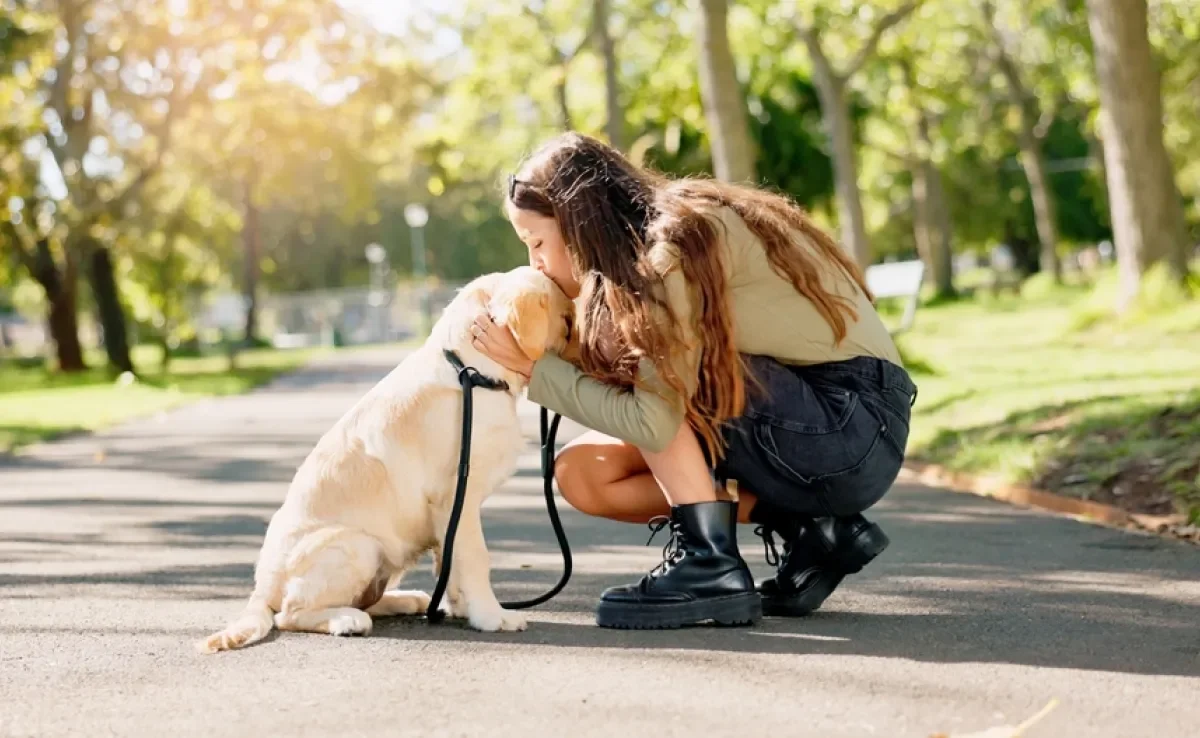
574, 471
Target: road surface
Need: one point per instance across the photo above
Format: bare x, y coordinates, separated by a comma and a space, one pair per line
119, 550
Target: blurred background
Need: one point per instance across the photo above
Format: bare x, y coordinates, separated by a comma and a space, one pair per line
197, 194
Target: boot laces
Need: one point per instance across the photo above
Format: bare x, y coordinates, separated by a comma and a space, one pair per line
770, 552
674, 550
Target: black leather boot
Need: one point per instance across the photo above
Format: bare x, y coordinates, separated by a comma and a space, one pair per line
817, 555
702, 577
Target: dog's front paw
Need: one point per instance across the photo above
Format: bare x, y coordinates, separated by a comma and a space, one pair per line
454, 607
496, 619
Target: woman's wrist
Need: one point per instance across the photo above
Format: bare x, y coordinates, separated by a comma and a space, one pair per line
526, 370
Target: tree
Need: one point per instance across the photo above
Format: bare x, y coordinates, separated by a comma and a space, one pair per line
178, 245
919, 109
1175, 35
86, 81
563, 53
832, 83
614, 117
931, 218
57, 273
1033, 124
265, 136
28, 230
724, 103
1147, 215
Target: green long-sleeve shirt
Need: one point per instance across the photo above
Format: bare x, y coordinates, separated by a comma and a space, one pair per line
770, 318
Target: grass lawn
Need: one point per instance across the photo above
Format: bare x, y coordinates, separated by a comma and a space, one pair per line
36, 405
1035, 389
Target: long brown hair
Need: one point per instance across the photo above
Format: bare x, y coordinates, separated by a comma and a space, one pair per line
611, 212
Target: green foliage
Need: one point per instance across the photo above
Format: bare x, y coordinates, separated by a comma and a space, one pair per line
1163, 304
1020, 394
915, 365
38, 405
1175, 33
787, 129
327, 127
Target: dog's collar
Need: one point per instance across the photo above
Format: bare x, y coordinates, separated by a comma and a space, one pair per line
477, 380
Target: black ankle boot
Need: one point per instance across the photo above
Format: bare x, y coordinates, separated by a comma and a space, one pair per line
702, 576
817, 555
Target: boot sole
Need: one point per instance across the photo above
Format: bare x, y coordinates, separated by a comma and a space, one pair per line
741, 609
801, 603
868, 544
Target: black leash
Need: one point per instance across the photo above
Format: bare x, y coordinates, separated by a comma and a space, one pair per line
470, 378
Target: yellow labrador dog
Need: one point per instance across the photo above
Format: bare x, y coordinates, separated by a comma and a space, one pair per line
376, 492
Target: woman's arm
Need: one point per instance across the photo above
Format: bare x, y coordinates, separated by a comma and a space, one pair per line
648, 418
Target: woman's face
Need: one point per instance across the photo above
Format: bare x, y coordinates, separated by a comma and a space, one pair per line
547, 249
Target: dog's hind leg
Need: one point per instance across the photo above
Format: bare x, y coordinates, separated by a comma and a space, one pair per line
400, 602
328, 573
340, 621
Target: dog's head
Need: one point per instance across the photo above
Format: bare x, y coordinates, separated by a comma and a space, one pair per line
534, 309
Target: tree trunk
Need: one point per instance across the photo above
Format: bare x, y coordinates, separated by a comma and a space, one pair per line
1044, 211
724, 105
61, 290
166, 288
835, 112
936, 226
931, 227
920, 210
614, 120
64, 329
108, 305
560, 94
1147, 215
941, 234
250, 246
1033, 121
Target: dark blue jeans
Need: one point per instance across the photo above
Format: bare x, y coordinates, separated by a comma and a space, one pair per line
821, 440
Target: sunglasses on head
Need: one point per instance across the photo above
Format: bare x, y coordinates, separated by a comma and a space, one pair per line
512, 186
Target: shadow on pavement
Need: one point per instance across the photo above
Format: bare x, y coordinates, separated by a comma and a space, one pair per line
214, 459
966, 580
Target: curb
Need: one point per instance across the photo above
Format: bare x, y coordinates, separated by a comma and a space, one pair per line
1023, 496
1017, 494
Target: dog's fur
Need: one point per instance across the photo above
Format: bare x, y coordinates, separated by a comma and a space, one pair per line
375, 493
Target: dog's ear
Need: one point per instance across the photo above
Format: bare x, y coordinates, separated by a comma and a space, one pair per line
528, 319
571, 350
480, 290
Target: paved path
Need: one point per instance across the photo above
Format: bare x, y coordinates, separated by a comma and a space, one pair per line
118, 551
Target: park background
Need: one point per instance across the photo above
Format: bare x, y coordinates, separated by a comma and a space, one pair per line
196, 195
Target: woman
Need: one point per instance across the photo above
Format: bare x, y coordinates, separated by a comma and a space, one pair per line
722, 338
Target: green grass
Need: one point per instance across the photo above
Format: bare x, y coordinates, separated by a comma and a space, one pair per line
37, 405
1100, 408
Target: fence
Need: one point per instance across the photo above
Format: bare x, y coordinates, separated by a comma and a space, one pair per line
328, 317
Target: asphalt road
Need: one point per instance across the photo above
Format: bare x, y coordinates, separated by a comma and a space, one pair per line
117, 551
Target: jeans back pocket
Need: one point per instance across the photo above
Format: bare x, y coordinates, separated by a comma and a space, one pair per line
809, 452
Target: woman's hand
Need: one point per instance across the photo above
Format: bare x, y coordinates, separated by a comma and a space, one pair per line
497, 343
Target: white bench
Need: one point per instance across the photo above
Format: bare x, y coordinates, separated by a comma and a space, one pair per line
899, 279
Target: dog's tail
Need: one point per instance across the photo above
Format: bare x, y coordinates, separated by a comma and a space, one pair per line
252, 625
